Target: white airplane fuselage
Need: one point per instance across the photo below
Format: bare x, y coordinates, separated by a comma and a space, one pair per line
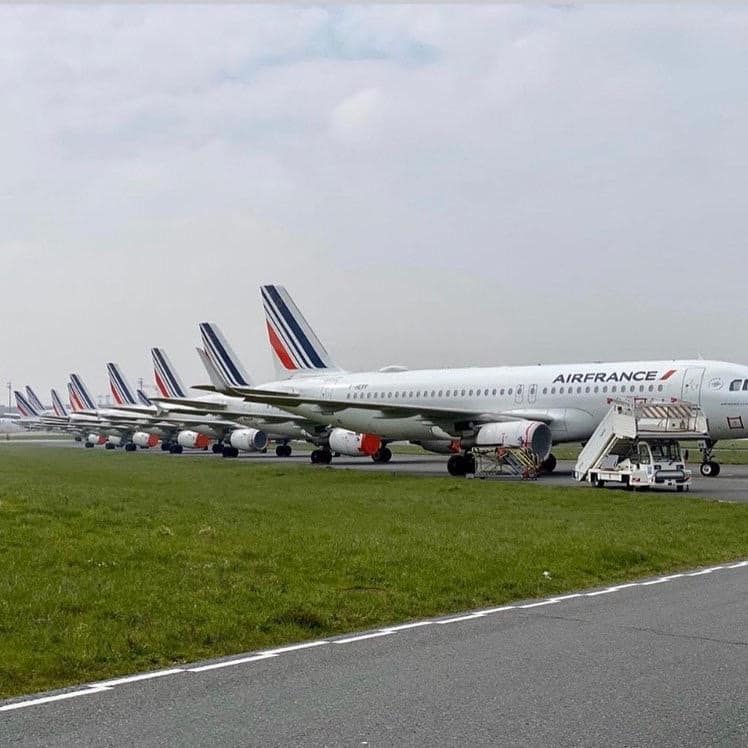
571, 398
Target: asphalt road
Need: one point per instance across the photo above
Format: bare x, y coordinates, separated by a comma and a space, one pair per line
662, 663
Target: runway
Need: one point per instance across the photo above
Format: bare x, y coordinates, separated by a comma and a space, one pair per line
656, 662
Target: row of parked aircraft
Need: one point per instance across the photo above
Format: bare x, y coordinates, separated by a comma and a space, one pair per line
449, 411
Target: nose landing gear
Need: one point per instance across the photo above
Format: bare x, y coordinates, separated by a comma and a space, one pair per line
709, 468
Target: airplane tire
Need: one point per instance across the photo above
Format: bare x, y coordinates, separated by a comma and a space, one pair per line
457, 465
217, 448
89, 445
283, 450
549, 464
709, 469
109, 445
165, 447
176, 449
383, 456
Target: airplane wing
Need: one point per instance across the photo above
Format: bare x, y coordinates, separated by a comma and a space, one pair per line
190, 406
388, 409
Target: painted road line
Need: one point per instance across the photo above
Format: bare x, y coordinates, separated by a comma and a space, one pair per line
135, 678
361, 637
405, 626
490, 611
230, 663
457, 619
57, 697
294, 647
552, 601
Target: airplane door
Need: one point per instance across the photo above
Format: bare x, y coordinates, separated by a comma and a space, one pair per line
692, 384
519, 393
532, 393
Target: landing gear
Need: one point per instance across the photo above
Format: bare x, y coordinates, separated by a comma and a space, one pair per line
217, 448
321, 457
230, 452
176, 449
109, 445
89, 445
709, 468
549, 464
130, 447
283, 450
166, 446
461, 465
383, 455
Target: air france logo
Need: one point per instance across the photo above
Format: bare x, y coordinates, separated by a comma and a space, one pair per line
612, 376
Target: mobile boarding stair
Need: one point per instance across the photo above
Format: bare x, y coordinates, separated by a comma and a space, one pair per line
490, 462
611, 452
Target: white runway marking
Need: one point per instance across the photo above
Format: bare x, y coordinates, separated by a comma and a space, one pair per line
108, 685
361, 637
230, 663
57, 697
135, 678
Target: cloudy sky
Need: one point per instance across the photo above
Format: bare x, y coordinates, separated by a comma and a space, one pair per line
435, 185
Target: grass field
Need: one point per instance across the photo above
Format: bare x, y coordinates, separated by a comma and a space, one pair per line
113, 563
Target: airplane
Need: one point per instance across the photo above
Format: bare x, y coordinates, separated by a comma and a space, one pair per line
276, 424
459, 408
226, 371
178, 426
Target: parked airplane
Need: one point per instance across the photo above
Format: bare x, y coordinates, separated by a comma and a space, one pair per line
531, 406
272, 423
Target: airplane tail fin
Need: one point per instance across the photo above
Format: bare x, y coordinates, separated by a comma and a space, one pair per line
144, 399
84, 396
296, 348
34, 400
121, 390
75, 404
222, 356
25, 408
218, 382
57, 405
167, 380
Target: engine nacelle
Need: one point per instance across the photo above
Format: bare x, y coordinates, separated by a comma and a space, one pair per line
248, 440
352, 444
142, 439
440, 446
192, 440
96, 439
116, 440
532, 435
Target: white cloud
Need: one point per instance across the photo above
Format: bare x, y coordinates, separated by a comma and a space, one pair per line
418, 168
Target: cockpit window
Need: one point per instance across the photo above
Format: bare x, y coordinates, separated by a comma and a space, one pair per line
735, 385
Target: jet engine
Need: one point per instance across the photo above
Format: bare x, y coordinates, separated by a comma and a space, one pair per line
533, 435
96, 439
191, 439
440, 446
248, 440
142, 439
352, 444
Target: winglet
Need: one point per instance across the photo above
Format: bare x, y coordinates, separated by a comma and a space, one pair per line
167, 380
25, 408
296, 348
121, 390
57, 405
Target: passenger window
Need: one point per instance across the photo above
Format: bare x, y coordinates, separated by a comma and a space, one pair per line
502, 391
579, 390
586, 389
605, 388
597, 389
545, 390
469, 393
651, 388
613, 388
560, 390
553, 390
509, 391
659, 388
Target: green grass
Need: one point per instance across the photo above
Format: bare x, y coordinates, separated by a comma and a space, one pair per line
113, 563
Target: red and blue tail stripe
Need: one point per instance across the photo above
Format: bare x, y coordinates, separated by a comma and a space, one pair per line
120, 389
167, 381
34, 400
25, 408
57, 405
222, 356
82, 393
